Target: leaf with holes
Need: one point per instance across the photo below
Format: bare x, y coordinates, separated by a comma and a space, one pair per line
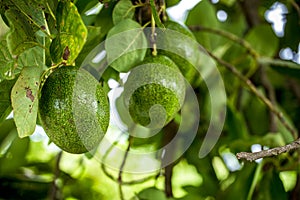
72, 34
125, 45
21, 36
32, 57
25, 19
24, 97
32, 11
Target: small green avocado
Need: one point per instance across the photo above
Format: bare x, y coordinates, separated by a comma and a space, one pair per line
73, 109
154, 92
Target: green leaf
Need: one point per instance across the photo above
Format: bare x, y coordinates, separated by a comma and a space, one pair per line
5, 128
10, 67
255, 112
271, 187
228, 3
32, 57
110, 73
21, 36
32, 10
182, 41
283, 67
5, 104
155, 14
125, 45
263, 40
123, 10
72, 34
85, 5
24, 97
152, 194
25, 19
6, 62
204, 14
286, 134
15, 156
236, 123
92, 41
240, 187
292, 30
170, 3
104, 18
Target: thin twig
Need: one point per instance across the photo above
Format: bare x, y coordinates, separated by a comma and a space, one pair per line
169, 133
103, 161
296, 6
254, 90
229, 36
120, 181
132, 182
277, 62
271, 95
54, 188
270, 152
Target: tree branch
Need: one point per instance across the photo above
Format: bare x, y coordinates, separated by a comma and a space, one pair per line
132, 182
254, 90
169, 133
271, 95
277, 62
229, 36
120, 181
54, 188
250, 10
270, 152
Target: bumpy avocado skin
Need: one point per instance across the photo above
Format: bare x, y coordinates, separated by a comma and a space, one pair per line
73, 109
147, 96
159, 82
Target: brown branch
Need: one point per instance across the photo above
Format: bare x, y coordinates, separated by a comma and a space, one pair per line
54, 188
296, 6
295, 193
271, 95
229, 36
120, 181
254, 90
132, 182
168, 180
169, 133
270, 152
250, 11
295, 88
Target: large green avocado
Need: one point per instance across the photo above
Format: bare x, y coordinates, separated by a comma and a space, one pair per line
154, 85
73, 109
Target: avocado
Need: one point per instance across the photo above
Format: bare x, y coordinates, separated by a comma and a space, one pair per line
154, 92
73, 109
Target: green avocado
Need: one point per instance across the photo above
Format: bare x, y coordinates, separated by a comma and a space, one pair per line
73, 109
186, 51
154, 92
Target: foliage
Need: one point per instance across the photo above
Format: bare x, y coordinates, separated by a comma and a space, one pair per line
262, 89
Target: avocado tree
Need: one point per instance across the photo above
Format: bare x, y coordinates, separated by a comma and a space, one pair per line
148, 99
